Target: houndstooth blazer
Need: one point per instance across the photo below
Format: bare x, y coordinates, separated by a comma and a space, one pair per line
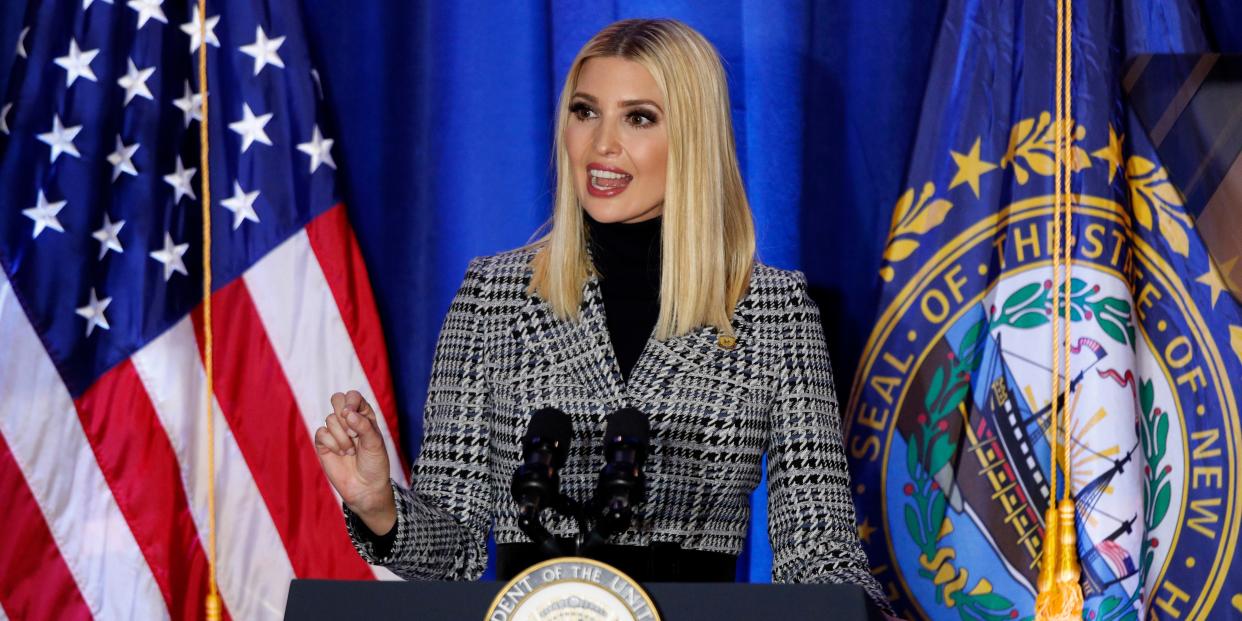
714, 411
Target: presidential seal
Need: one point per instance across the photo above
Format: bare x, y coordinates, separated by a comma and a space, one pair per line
572, 588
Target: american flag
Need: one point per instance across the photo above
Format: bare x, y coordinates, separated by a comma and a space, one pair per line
1118, 557
103, 444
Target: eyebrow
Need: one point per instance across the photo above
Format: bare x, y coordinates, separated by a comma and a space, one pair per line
628, 103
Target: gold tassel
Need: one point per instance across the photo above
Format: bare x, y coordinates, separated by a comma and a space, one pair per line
1064, 601
1047, 565
213, 607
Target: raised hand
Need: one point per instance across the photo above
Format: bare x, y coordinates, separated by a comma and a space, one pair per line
351, 451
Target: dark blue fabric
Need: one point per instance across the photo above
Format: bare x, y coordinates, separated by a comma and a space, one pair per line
443, 116
951, 443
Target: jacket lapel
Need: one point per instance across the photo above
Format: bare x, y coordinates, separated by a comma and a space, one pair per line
582, 349
699, 350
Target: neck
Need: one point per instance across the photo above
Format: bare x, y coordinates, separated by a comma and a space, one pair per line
626, 251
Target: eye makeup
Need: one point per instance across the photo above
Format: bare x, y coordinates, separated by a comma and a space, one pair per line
579, 110
641, 118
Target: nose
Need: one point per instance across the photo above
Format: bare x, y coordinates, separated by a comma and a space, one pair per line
606, 142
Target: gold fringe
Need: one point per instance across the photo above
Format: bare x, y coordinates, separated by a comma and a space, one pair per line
1062, 600
1047, 565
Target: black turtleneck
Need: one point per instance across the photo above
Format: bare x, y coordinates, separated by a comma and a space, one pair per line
627, 257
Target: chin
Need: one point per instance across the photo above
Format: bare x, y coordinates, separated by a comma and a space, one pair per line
604, 213
610, 213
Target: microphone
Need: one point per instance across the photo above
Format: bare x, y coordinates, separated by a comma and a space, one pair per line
622, 485
536, 482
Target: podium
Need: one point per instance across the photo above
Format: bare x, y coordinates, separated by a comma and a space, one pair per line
333, 600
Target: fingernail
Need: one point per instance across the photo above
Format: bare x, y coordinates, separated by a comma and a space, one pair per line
350, 452
352, 433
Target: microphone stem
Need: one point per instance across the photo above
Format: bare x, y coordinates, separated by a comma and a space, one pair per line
533, 527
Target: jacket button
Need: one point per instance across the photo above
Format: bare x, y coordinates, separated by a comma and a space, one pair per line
726, 342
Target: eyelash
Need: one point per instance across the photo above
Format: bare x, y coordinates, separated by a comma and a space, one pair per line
649, 118
578, 109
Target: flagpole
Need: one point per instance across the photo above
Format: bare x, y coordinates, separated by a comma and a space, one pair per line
212, 603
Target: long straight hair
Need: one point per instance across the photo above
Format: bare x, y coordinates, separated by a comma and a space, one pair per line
708, 237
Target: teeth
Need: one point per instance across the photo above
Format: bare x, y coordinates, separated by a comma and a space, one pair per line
605, 174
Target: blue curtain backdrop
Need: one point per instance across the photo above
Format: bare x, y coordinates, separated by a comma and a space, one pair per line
443, 114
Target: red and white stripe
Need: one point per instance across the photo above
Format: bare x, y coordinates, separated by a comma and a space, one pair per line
106, 495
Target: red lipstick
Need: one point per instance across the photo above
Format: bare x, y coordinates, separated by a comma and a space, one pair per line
611, 182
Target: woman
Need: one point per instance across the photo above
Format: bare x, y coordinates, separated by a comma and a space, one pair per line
652, 250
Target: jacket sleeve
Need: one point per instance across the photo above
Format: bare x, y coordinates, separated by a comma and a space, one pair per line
812, 524
442, 520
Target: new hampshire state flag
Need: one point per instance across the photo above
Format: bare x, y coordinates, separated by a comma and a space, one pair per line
950, 414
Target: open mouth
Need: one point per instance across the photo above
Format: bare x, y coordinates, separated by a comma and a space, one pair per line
607, 182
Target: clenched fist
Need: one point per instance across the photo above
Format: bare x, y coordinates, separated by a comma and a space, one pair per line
351, 451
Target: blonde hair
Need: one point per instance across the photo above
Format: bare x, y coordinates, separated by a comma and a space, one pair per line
708, 237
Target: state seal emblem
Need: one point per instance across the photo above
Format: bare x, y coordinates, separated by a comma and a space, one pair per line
949, 425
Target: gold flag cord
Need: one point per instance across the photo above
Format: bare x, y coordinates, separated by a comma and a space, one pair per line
212, 603
1060, 594
1067, 211
1047, 565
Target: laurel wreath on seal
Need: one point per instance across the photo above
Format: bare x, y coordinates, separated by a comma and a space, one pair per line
1031, 306
1157, 491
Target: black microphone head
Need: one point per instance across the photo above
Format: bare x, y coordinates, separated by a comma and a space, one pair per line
628, 424
627, 436
551, 429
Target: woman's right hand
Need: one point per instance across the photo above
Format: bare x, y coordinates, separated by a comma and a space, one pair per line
351, 451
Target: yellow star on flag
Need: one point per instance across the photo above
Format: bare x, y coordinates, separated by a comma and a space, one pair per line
1212, 278
865, 529
969, 168
1112, 153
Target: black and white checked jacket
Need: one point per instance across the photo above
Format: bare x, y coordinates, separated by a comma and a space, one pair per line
714, 411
